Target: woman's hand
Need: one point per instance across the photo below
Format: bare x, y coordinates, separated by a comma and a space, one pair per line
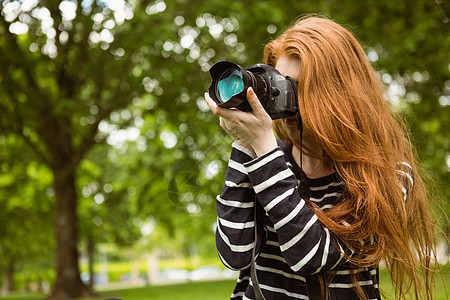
252, 130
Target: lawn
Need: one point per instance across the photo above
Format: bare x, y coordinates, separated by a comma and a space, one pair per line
192, 291
209, 290
212, 290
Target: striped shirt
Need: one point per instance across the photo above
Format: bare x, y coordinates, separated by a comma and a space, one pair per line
295, 245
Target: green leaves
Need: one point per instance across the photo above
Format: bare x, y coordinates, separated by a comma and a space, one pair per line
115, 95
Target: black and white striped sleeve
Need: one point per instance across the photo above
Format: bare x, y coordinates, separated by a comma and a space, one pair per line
406, 178
306, 245
235, 206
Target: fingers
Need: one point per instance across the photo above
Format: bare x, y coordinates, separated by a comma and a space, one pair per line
254, 102
222, 123
212, 106
217, 110
258, 110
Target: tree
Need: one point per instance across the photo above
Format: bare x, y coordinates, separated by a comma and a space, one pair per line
56, 94
66, 67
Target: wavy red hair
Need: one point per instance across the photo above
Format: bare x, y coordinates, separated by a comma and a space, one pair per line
342, 105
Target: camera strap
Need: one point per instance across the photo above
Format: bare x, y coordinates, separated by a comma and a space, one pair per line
258, 239
300, 128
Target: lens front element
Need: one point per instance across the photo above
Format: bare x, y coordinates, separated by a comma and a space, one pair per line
230, 85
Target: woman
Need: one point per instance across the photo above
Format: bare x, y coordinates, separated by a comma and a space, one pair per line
356, 200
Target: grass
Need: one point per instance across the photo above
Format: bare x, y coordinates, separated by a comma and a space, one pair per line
441, 290
212, 290
195, 290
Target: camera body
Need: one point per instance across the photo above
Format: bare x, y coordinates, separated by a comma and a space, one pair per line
277, 93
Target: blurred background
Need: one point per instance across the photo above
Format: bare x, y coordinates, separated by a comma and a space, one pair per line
110, 159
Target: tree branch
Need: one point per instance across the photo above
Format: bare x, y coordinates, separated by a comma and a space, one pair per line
10, 89
22, 62
89, 139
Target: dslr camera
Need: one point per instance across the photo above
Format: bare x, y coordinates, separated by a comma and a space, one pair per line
277, 93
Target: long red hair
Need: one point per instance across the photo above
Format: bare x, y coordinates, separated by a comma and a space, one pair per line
342, 105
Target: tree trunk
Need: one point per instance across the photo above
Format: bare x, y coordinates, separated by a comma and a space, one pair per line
8, 279
90, 255
68, 283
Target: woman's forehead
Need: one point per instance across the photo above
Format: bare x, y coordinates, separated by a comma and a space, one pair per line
288, 66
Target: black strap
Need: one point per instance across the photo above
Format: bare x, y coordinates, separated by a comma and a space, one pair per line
258, 238
300, 128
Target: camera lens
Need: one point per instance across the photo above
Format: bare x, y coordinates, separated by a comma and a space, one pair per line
277, 93
230, 84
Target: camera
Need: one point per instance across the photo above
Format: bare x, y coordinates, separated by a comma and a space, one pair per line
277, 93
